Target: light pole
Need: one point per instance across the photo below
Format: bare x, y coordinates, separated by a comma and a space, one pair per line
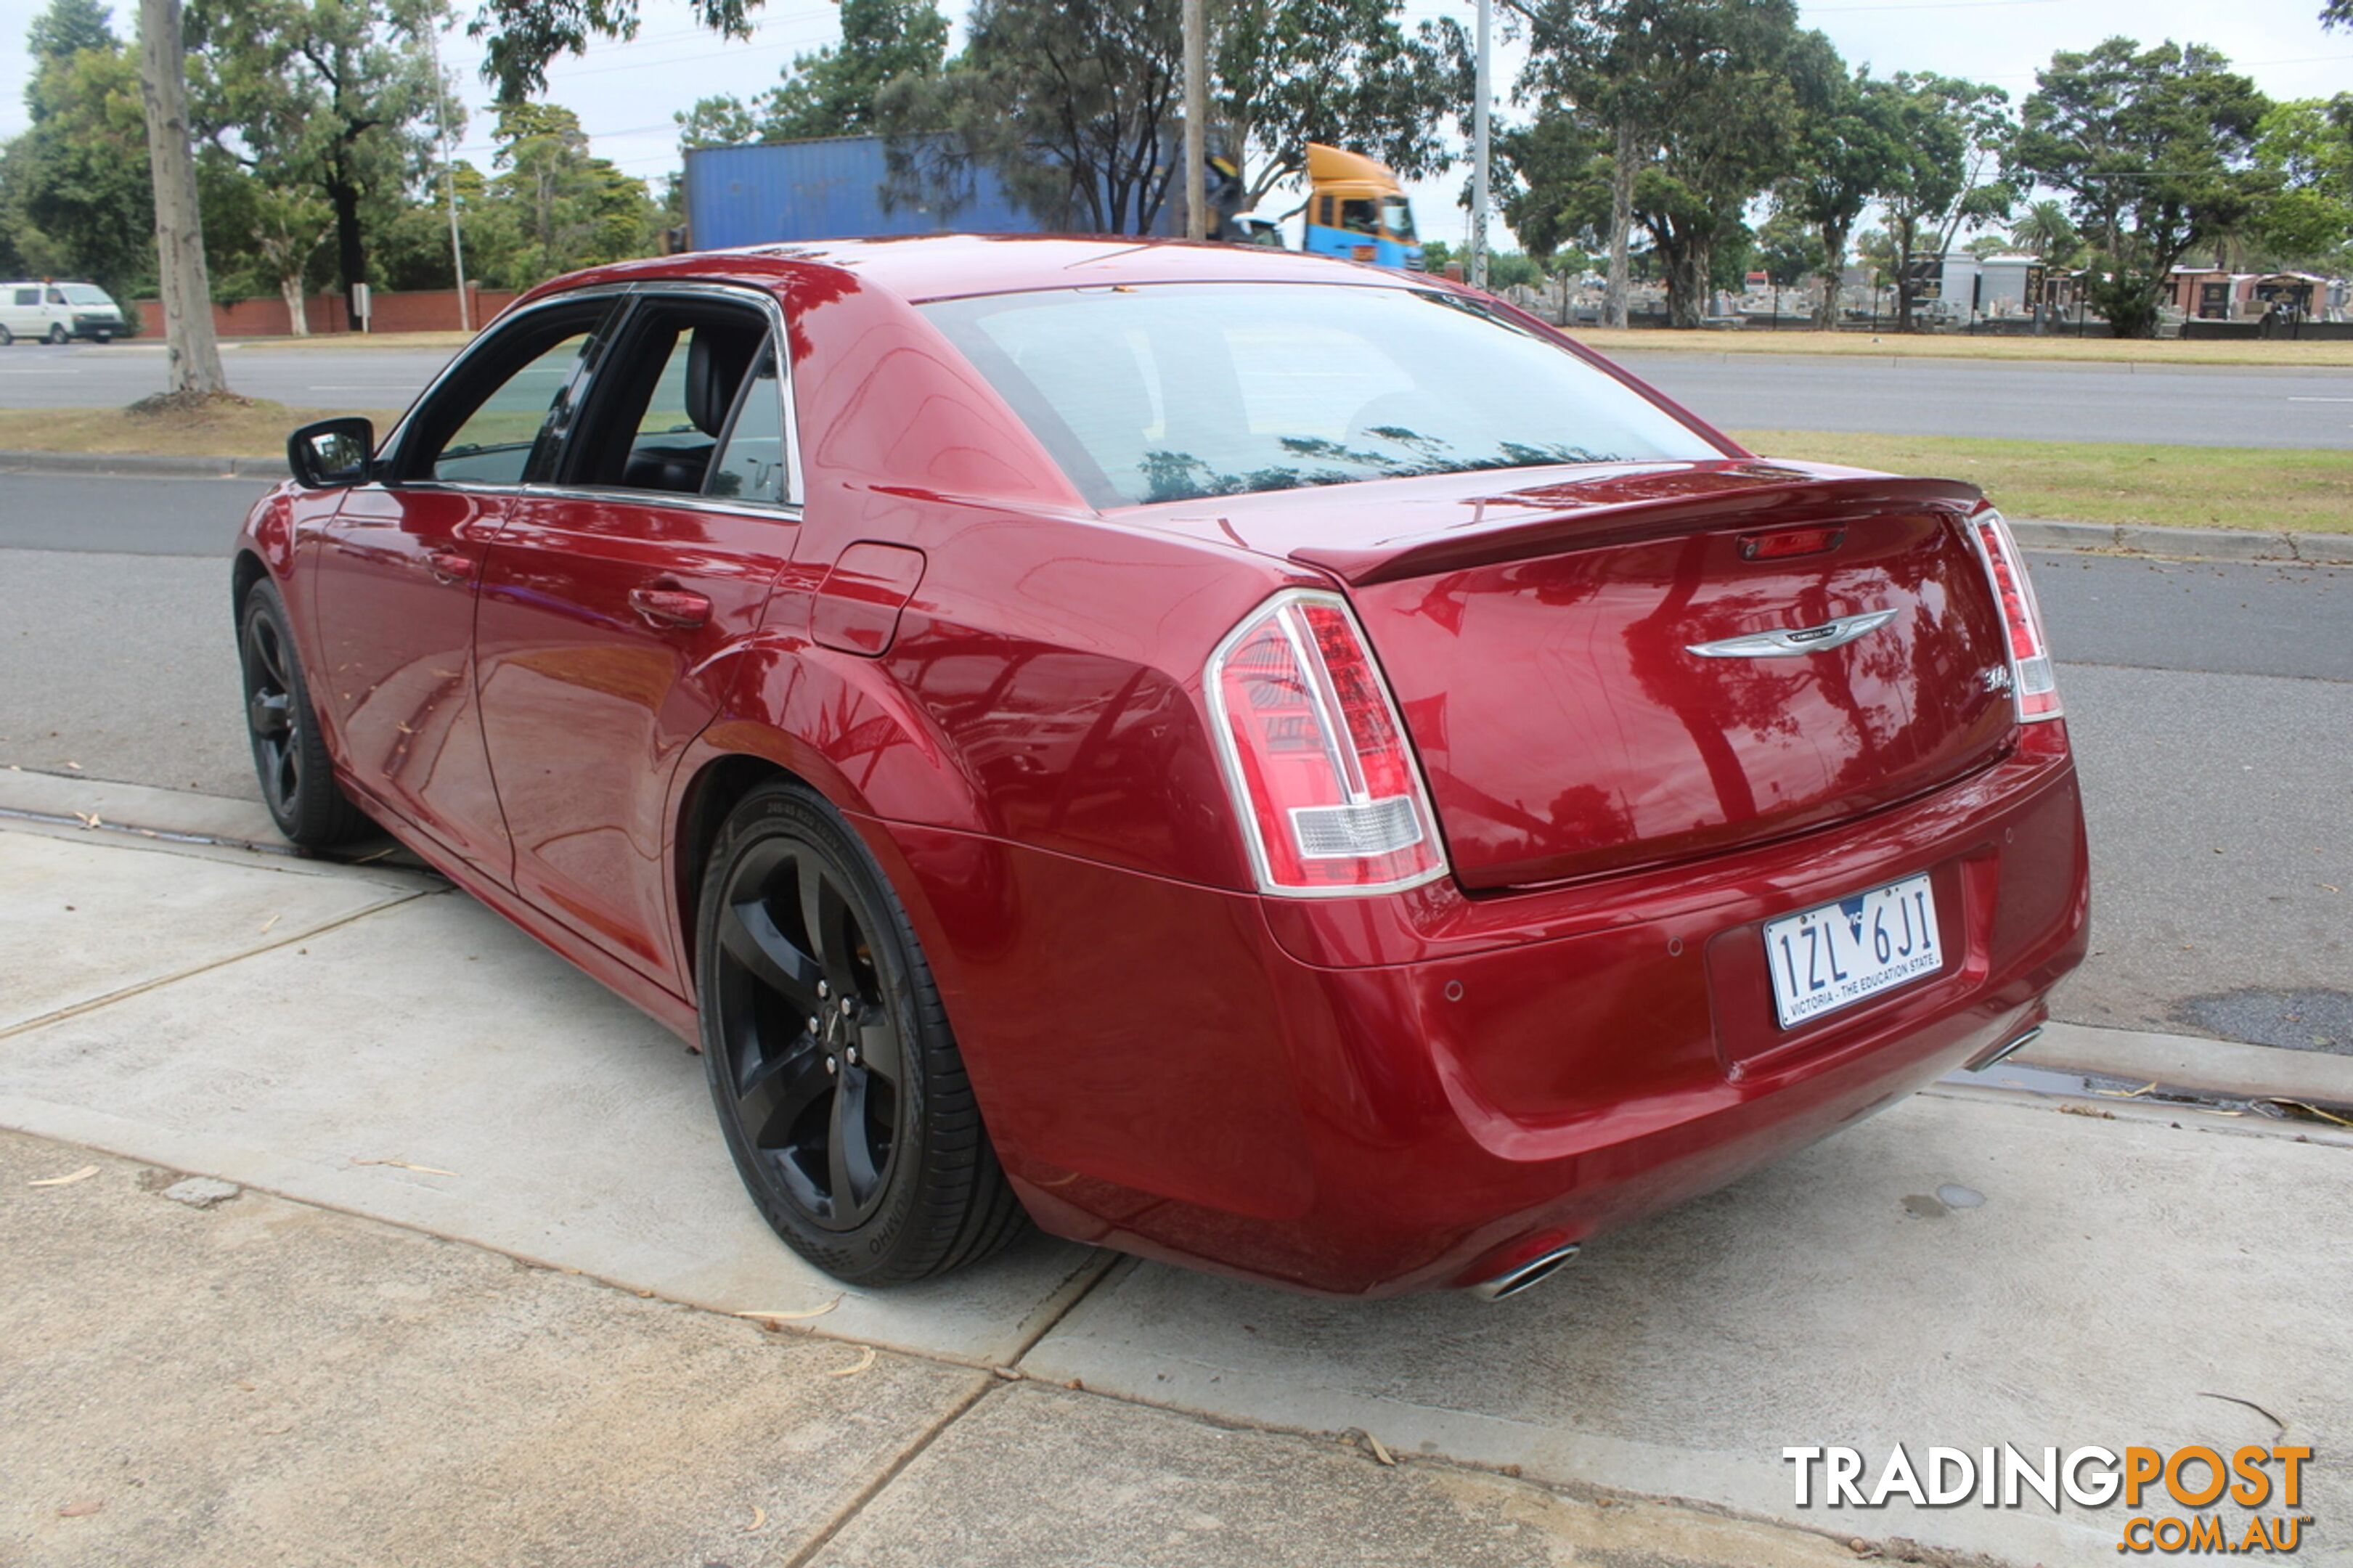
1478, 138
1197, 116
449, 175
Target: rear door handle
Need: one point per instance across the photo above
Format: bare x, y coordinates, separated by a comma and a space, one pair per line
450, 565
671, 606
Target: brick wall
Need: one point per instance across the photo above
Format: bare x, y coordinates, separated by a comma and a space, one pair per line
423, 311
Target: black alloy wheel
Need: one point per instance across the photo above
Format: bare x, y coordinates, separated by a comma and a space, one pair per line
839, 1086
290, 760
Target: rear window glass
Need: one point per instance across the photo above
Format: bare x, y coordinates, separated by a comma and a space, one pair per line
1171, 392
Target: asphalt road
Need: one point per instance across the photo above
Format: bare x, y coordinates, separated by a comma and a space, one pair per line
105, 375
2184, 405
2211, 707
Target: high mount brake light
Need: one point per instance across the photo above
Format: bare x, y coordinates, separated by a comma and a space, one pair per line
1314, 755
2033, 686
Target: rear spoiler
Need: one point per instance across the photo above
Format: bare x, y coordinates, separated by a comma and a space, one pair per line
1482, 542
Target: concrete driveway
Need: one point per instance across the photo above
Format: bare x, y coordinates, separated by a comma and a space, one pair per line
1976, 1267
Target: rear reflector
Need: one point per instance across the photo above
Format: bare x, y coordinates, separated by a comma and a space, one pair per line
1330, 799
2032, 683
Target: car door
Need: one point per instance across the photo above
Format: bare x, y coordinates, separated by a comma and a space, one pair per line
396, 573
614, 596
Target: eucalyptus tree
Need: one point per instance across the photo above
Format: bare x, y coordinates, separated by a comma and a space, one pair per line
1849, 153
2307, 143
1954, 134
76, 195
337, 97
1702, 103
832, 91
1076, 106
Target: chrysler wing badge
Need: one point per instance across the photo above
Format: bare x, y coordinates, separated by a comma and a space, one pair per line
1788, 644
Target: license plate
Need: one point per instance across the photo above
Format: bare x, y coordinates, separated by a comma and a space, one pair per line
1835, 955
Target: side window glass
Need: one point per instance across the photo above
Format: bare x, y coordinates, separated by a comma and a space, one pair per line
751, 465
57, 296
493, 445
1358, 217
665, 395
28, 296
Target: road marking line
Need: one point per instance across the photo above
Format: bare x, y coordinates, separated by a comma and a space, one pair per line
2321, 400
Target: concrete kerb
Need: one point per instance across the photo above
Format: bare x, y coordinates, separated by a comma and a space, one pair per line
142, 465
2185, 544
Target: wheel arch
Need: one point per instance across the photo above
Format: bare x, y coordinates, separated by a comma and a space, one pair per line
703, 804
243, 574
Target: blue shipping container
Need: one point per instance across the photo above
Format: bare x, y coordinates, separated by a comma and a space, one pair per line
831, 189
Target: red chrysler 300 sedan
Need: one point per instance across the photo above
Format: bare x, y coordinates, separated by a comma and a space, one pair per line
1263, 763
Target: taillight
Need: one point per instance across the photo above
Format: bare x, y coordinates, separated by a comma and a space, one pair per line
1330, 799
2033, 684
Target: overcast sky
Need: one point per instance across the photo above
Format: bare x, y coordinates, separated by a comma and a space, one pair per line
626, 93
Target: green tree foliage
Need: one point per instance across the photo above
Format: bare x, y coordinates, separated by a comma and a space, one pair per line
552, 207
2153, 151
1701, 102
1850, 153
335, 97
1342, 72
1076, 107
2307, 144
74, 195
259, 237
67, 28
1071, 105
832, 91
1790, 249
725, 120
2045, 232
1552, 184
522, 38
1512, 269
1953, 133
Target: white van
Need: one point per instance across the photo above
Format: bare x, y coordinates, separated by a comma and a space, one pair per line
53, 312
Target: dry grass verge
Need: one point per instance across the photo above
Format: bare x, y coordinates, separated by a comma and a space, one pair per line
224, 427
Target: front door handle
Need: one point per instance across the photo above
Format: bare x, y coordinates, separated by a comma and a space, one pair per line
671, 606
450, 565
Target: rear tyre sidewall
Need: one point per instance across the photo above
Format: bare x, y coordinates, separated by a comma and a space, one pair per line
926, 1221
319, 815
6, 337
58, 334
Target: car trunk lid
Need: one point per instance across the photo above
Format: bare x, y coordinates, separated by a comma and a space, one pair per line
1613, 671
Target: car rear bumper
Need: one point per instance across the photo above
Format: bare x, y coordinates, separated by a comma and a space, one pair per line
1372, 1097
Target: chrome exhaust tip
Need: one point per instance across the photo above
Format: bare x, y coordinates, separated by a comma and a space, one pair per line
2004, 1053
1535, 1271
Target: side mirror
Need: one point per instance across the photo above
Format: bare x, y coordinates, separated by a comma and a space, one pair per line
331, 452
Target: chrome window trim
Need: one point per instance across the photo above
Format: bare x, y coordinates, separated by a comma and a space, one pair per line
779, 344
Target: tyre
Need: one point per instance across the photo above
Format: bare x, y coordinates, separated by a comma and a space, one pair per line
56, 333
6, 337
838, 1083
290, 757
